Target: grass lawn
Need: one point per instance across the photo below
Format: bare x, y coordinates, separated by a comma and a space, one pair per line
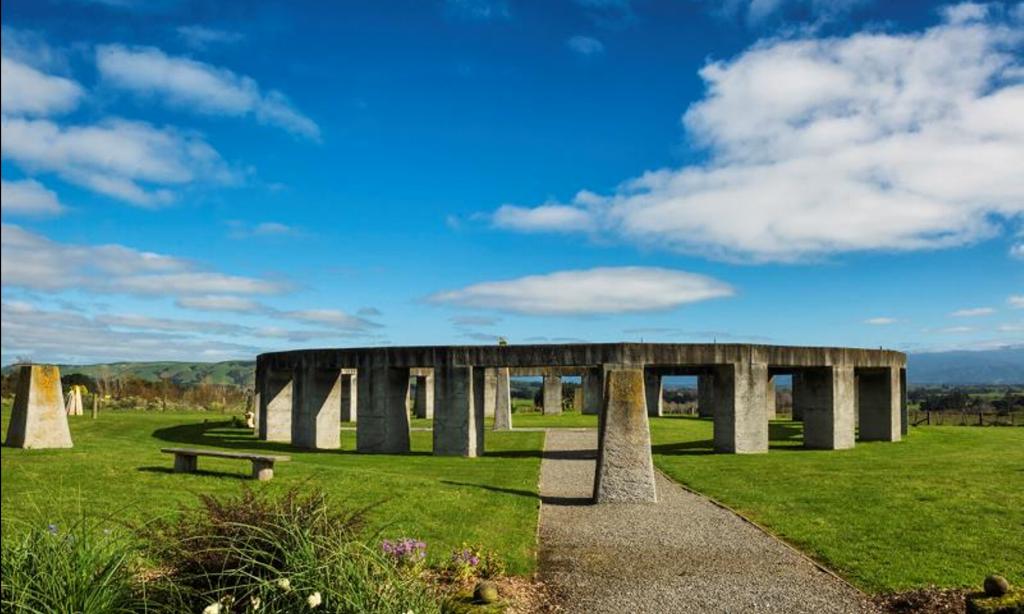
945, 506
116, 468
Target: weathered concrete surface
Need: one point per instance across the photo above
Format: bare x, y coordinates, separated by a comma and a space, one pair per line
38, 419
349, 396
740, 423
317, 423
625, 470
592, 386
770, 400
383, 418
904, 412
880, 404
655, 393
705, 396
799, 398
552, 395
490, 391
275, 414
503, 401
681, 555
458, 411
829, 409
73, 406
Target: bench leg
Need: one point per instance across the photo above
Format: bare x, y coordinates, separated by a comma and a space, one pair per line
262, 470
185, 464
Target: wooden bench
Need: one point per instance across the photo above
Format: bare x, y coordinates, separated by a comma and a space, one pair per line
185, 460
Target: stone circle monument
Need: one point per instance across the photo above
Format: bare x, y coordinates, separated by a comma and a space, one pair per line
38, 418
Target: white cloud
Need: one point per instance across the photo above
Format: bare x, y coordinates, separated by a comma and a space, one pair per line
553, 218
482, 10
757, 11
973, 312
35, 262
880, 321
198, 86
585, 45
127, 160
27, 91
593, 291
242, 230
867, 142
214, 302
201, 37
28, 197
1016, 301
955, 330
1012, 328
330, 317
1017, 250
965, 12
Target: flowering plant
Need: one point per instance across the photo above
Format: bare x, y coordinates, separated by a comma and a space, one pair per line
405, 552
473, 561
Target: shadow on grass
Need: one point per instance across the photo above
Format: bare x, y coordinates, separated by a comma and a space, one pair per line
203, 472
552, 454
685, 448
562, 501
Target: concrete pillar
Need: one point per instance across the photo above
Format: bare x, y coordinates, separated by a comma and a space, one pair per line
423, 406
827, 393
625, 470
880, 402
552, 394
741, 426
770, 398
654, 392
383, 420
503, 401
458, 411
592, 386
706, 395
799, 400
38, 419
276, 404
349, 395
490, 391
904, 410
256, 412
316, 424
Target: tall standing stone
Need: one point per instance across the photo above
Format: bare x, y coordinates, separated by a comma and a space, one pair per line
625, 470
655, 393
592, 385
38, 419
552, 394
705, 395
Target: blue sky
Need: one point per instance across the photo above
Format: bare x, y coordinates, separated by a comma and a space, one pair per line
203, 181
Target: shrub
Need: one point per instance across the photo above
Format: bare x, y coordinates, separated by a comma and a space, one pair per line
74, 568
474, 562
279, 554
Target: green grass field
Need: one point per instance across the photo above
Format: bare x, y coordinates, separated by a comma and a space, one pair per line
116, 468
944, 507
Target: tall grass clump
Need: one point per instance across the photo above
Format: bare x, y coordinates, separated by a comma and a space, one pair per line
286, 553
78, 567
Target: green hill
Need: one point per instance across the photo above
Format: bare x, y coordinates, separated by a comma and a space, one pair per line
239, 373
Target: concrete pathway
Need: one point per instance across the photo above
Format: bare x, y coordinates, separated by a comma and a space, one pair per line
682, 554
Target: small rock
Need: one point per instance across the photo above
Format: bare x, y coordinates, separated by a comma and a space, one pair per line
996, 586
486, 592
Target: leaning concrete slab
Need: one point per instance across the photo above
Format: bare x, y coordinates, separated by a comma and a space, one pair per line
625, 470
655, 393
458, 411
275, 413
770, 398
490, 391
552, 395
349, 395
38, 419
880, 404
829, 409
383, 418
741, 426
317, 422
503, 401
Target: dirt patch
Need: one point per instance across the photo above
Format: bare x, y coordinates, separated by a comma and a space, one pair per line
931, 600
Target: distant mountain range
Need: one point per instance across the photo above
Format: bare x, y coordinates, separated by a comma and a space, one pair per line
1004, 366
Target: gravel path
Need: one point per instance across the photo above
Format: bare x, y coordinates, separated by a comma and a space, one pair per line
682, 554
